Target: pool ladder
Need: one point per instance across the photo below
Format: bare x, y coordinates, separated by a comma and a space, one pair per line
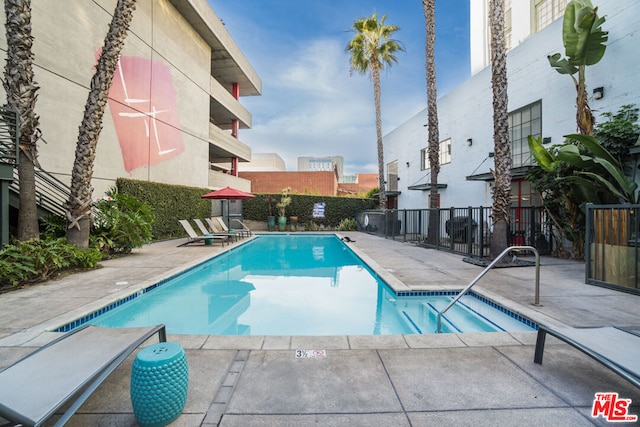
489, 267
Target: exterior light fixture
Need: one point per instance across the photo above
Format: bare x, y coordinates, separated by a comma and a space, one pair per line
469, 142
598, 93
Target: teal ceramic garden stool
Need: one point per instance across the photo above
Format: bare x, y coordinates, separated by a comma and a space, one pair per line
159, 384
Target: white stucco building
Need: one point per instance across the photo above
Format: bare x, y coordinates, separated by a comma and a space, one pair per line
541, 102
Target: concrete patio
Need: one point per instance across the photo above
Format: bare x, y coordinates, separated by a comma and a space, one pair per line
486, 379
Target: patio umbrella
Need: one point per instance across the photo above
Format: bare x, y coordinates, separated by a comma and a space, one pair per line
227, 194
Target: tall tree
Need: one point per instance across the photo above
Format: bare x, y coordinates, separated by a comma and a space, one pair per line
371, 49
21, 89
80, 200
432, 112
502, 148
583, 40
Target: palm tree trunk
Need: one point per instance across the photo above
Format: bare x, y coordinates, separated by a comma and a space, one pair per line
432, 120
502, 148
21, 89
80, 201
584, 116
375, 74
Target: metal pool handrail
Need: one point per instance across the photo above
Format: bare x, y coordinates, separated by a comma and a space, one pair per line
489, 267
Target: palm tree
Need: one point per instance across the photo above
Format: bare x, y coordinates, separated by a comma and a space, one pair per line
80, 200
371, 49
432, 111
502, 149
21, 97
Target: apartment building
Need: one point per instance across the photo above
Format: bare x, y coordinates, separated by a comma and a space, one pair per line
541, 103
174, 113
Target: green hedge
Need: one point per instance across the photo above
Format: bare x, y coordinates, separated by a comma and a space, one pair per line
170, 203
336, 208
174, 202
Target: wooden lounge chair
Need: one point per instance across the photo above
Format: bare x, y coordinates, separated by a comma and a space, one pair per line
615, 348
66, 370
246, 230
218, 231
194, 237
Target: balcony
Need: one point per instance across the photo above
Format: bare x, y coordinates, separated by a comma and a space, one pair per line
224, 108
223, 147
219, 180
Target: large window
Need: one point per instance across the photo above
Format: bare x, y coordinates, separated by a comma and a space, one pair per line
392, 176
522, 123
548, 11
445, 154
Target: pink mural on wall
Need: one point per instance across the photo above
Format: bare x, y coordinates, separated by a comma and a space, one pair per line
142, 100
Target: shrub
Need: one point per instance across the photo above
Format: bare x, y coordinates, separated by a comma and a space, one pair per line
122, 222
347, 224
36, 260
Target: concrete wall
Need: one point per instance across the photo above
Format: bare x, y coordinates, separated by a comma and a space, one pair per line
67, 36
466, 112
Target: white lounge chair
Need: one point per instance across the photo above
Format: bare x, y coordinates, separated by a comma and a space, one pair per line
201, 226
223, 225
246, 230
615, 348
67, 369
194, 237
218, 231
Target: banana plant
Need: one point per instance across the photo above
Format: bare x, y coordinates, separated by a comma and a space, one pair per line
583, 40
598, 176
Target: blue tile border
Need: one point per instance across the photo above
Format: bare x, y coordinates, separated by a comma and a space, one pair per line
84, 319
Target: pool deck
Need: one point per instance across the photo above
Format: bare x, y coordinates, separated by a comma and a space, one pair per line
484, 379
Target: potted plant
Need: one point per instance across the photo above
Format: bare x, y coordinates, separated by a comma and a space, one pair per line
293, 222
271, 220
285, 200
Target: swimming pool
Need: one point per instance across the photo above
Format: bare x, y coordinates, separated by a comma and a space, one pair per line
295, 284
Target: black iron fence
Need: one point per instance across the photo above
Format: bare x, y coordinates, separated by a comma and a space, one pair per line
466, 231
612, 245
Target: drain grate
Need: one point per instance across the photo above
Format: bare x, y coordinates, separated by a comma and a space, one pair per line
222, 397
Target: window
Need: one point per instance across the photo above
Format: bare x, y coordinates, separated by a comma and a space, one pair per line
522, 123
548, 11
445, 154
507, 25
392, 176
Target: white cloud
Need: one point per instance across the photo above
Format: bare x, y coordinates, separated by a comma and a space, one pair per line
312, 106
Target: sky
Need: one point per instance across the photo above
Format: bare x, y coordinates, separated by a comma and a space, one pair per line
311, 105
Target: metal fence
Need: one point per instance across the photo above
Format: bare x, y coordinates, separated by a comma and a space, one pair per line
612, 243
465, 231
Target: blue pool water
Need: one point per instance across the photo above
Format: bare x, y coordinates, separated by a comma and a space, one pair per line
298, 285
